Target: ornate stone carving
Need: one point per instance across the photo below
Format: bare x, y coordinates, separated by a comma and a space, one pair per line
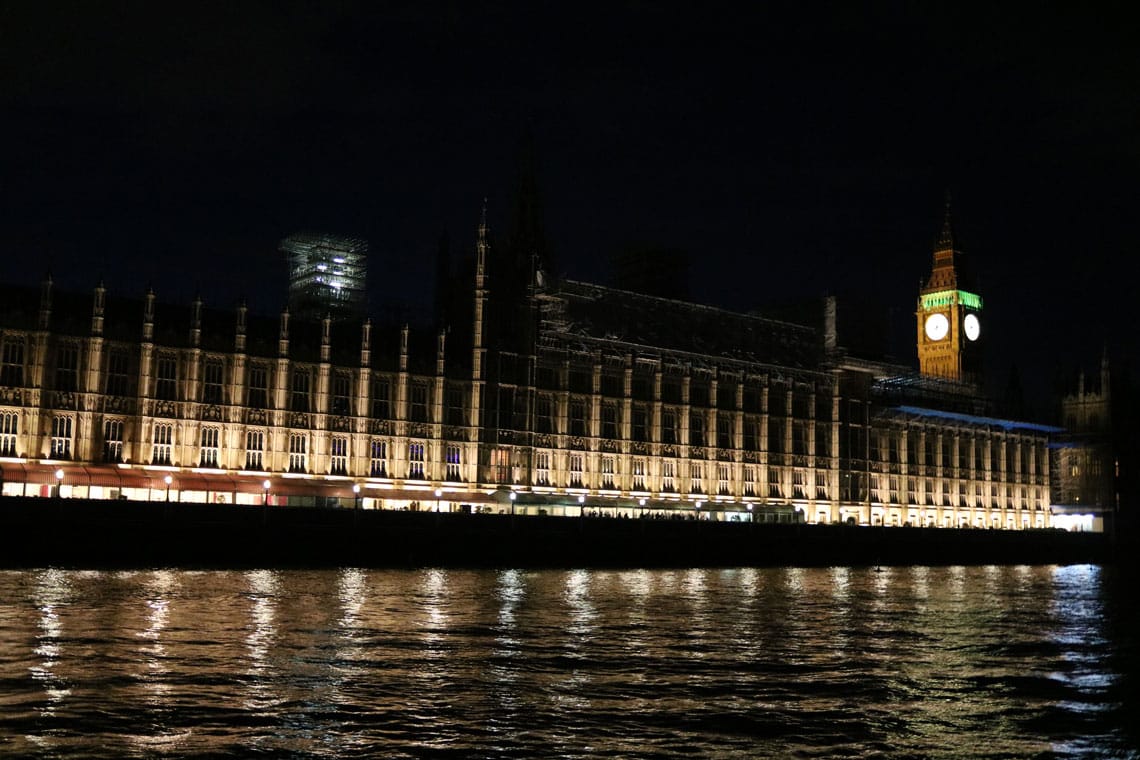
382, 427
212, 413
165, 409
255, 417
340, 423
63, 400
118, 404
298, 419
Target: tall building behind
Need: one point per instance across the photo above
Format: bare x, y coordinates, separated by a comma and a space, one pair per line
949, 317
327, 275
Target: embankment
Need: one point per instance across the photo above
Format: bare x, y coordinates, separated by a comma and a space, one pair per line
82, 533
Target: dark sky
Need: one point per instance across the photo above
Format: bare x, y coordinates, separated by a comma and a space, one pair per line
791, 151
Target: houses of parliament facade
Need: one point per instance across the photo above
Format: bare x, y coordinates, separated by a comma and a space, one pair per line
531, 394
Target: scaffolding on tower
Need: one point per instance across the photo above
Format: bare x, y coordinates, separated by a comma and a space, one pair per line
327, 275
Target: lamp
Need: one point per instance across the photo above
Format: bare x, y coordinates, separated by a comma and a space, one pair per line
356, 496
513, 497
168, 480
59, 482
265, 496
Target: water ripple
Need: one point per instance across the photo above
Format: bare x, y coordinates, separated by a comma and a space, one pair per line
1021, 662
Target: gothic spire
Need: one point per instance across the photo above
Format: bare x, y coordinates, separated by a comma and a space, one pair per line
481, 240
946, 239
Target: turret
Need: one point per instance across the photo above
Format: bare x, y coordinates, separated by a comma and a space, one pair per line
45, 302
97, 307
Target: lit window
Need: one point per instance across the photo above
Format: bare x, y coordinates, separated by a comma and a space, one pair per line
668, 475
113, 441
696, 477
378, 459
542, 468
9, 428
607, 472
61, 427
254, 449
749, 480
338, 456
209, 449
454, 462
163, 443
637, 468
576, 470
298, 452
416, 460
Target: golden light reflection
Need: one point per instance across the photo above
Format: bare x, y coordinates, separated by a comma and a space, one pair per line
435, 605
262, 591
53, 589
157, 591
929, 661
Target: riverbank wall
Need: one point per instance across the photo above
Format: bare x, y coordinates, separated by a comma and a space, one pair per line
87, 533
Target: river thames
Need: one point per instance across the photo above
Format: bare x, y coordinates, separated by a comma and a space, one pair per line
931, 662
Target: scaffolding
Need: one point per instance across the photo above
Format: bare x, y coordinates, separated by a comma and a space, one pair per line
327, 275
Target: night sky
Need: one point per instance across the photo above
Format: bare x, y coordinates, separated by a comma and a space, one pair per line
791, 152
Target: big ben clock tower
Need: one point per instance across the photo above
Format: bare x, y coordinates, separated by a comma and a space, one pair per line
948, 318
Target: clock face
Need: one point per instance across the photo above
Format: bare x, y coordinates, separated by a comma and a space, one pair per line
937, 326
971, 327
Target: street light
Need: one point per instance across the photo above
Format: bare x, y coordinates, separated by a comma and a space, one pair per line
513, 497
356, 496
698, 509
581, 509
59, 483
168, 480
438, 493
265, 496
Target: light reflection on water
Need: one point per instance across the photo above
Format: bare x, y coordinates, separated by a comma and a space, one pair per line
907, 662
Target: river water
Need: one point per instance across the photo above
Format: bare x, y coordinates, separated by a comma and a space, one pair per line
1009, 662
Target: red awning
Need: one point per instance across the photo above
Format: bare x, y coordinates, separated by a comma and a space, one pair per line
14, 472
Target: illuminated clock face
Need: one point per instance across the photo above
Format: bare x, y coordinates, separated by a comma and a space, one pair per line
937, 326
971, 327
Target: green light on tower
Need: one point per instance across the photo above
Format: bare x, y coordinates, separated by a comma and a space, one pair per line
951, 297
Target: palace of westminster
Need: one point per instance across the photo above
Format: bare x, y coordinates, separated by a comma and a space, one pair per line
532, 394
